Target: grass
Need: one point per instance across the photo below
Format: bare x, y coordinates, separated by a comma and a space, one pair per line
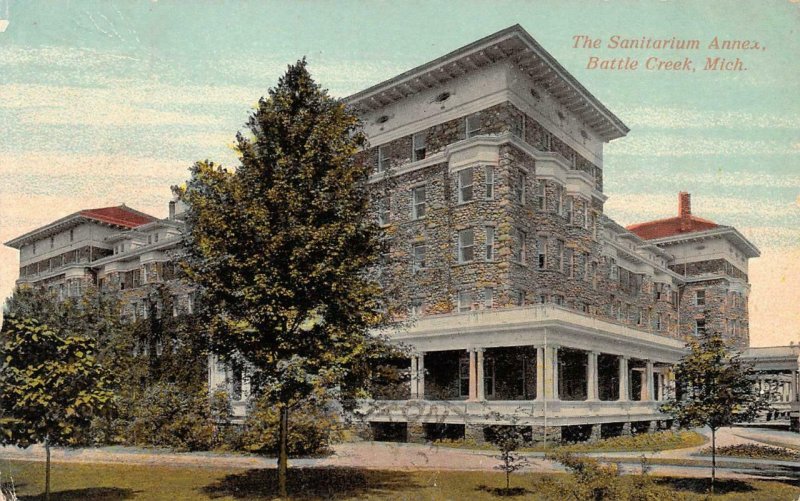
645, 442
755, 451
106, 482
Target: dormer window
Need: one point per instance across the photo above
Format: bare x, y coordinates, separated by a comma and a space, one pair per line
149, 239
155, 238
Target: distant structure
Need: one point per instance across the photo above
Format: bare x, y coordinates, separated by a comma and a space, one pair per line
524, 294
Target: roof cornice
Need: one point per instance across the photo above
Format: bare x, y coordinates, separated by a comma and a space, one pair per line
732, 234
514, 44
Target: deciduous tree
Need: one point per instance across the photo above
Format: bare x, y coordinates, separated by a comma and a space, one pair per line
283, 244
51, 385
714, 388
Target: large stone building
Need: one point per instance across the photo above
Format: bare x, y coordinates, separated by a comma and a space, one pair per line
526, 299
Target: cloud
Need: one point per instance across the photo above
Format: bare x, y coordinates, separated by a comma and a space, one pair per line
676, 145
640, 117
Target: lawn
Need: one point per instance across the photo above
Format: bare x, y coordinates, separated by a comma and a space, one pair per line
107, 482
645, 442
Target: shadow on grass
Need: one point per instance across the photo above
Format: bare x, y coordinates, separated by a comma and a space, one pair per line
93, 493
310, 483
703, 485
503, 492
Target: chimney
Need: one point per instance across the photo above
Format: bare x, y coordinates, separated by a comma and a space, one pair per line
685, 211
172, 209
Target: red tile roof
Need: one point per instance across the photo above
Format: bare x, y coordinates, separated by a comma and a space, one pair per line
663, 228
120, 216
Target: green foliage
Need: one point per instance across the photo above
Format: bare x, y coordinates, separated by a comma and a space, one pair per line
282, 246
714, 386
756, 451
51, 384
593, 480
314, 428
165, 415
508, 439
658, 441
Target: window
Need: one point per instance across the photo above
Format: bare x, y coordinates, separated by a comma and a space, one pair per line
569, 209
639, 316
416, 307
383, 160
71, 235
383, 211
489, 244
474, 125
52, 240
700, 298
34, 247
570, 258
149, 239
155, 238
658, 321
540, 195
519, 187
519, 246
418, 148
541, 250
463, 373
418, 202
465, 185
593, 224
517, 298
489, 182
464, 301
560, 208
418, 252
466, 246
560, 255
488, 377
700, 327
518, 126
558, 299
488, 297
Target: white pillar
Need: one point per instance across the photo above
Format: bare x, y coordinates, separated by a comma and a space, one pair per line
648, 373
592, 388
421, 375
414, 376
551, 372
623, 379
540, 373
481, 385
473, 376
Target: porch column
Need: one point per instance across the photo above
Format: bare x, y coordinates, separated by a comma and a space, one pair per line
414, 378
473, 376
623, 379
421, 375
648, 373
481, 385
540, 373
592, 389
551, 373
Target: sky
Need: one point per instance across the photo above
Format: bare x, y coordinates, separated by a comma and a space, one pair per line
105, 102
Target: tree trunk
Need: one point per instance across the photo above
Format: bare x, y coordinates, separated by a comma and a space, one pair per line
713, 458
283, 453
47, 470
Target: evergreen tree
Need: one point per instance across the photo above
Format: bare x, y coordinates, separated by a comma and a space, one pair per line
282, 247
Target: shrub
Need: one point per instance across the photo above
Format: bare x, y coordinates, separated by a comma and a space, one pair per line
168, 416
756, 451
314, 427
